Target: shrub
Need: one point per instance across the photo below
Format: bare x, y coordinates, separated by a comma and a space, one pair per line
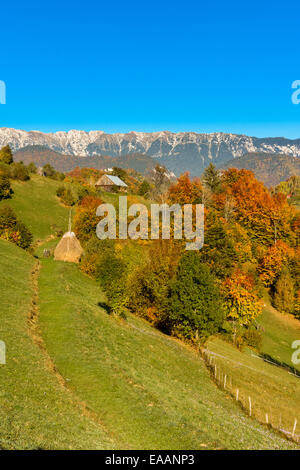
149, 284
48, 170
19, 172
32, 168
6, 155
60, 191
284, 292
13, 230
111, 271
144, 189
26, 237
85, 221
4, 169
253, 338
67, 198
5, 188
8, 218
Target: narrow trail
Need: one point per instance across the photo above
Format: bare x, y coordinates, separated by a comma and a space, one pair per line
35, 334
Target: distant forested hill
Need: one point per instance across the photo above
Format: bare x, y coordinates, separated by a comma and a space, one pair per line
268, 167
41, 155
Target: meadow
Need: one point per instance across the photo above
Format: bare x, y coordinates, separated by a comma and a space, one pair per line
77, 377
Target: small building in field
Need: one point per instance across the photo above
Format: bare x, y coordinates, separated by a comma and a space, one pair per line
111, 183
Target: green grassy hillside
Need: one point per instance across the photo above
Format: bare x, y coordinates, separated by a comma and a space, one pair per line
148, 389
79, 378
35, 410
273, 390
36, 204
280, 331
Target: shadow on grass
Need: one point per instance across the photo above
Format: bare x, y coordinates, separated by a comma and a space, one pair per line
105, 307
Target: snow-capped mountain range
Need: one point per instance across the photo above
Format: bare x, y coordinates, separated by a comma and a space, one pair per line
178, 151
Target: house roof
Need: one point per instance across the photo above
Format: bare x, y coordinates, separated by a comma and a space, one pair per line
114, 180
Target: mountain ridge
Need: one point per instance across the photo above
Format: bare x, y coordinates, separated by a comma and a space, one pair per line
269, 168
183, 151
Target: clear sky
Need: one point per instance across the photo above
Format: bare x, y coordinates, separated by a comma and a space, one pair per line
151, 65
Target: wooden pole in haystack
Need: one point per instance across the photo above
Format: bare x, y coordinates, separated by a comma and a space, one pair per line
294, 428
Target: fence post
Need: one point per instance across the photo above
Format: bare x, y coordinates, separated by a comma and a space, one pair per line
237, 394
225, 377
250, 407
267, 418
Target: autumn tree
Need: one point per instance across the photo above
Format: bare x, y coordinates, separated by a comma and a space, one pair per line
149, 283
241, 301
185, 190
271, 263
85, 220
267, 218
284, 292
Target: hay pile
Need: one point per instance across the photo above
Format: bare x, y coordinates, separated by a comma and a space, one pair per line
68, 249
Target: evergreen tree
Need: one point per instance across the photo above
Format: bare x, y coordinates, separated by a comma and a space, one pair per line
211, 178
144, 188
195, 307
6, 155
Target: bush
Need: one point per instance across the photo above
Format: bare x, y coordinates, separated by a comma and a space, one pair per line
60, 191
8, 218
5, 188
26, 236
4, 169
253, 338
13, 230
67, 198
86, 220
111, 271
284, 292
6, 155
19, 172
195, 305
32, 168
144, 189
149, 284
49, 171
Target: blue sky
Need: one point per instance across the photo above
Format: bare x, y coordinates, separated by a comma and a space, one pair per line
147, 66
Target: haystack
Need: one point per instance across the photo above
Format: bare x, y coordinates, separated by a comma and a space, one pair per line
69, 248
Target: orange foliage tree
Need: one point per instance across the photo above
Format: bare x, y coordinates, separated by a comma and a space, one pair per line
185, 190
85, 220
267, 218
271, 263
241, 301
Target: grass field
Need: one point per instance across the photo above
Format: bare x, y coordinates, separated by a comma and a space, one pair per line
147, 389
116, 383
273, 390
35, 410
36, 204
280, 331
